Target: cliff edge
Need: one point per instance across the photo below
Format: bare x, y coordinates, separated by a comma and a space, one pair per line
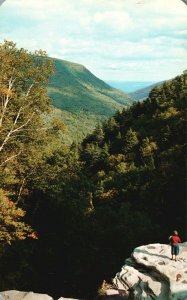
151, 274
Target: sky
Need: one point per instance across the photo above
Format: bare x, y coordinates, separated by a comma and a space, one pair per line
117, 40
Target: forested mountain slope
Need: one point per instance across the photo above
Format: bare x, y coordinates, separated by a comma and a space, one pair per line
88, 205
144, 92
138, 156
122, 187
83, 98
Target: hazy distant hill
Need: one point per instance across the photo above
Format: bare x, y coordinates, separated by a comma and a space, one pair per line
83, 98
130, 86
144, 92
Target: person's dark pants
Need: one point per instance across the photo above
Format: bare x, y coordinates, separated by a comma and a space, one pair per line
175, 249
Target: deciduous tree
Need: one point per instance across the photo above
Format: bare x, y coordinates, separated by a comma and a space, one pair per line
12, 226
23, 98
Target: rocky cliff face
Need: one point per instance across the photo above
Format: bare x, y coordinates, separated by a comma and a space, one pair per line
151, 274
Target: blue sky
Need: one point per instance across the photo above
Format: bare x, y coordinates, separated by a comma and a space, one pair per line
126, 40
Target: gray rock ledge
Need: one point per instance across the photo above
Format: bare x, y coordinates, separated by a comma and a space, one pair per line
151, 274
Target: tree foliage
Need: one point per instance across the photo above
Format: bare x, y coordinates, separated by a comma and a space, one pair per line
90, 203
12, 226
23, 98
23, 129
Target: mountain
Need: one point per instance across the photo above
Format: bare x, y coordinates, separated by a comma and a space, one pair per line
83, 99
140, 156
130, 86
144, 92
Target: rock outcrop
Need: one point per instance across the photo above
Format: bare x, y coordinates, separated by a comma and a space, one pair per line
17, 295
151, 274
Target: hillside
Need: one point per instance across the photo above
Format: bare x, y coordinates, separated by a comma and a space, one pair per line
139, 155
87, 205
144, 92
118, 185
83, 98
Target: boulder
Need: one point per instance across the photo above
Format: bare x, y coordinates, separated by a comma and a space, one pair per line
62, 298
17, 295
151, 274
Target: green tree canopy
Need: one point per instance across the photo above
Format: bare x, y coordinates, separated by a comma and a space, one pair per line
24, 130
23, 98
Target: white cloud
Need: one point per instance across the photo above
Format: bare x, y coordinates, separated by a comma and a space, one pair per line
116, 20
118, 35
172, 7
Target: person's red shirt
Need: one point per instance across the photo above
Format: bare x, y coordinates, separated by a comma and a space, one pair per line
175, 239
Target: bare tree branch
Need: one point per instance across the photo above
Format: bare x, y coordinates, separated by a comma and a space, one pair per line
21, 189
12, 130
10, 158
7, 99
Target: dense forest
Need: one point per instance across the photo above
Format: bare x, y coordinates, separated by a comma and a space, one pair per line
71, 214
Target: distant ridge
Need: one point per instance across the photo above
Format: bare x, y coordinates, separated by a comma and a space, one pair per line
83, 99
130, 86
144, 92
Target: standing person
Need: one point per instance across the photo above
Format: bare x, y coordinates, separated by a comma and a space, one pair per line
174, 240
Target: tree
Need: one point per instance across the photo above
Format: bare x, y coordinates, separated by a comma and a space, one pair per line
147, 150
12, 227
23, 98
23, 105
131, 140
